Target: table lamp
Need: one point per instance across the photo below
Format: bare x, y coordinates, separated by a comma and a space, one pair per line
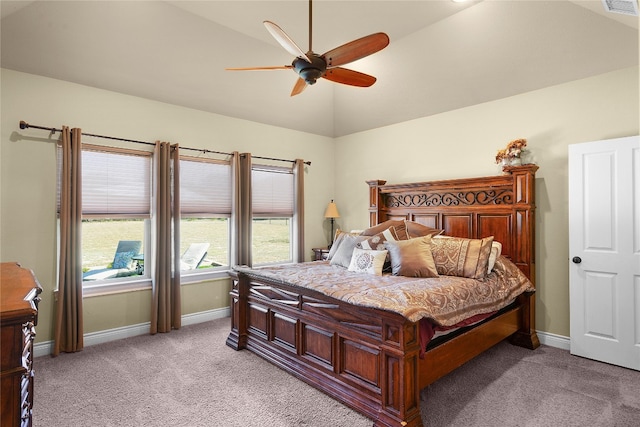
332, 214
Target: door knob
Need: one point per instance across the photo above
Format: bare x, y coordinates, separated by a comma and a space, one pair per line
576, 260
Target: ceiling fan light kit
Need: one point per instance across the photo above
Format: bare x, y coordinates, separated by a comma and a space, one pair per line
310, 66
310, 71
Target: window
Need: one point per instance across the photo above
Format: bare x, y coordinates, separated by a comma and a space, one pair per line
272, 204
205, 209
116, 200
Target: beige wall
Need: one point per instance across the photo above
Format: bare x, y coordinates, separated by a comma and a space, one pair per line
28, 179
460, 143
463, 143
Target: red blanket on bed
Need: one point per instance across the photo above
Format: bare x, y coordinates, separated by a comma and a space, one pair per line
428, 329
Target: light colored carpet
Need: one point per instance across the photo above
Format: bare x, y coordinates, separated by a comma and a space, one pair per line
191, 378
546, 387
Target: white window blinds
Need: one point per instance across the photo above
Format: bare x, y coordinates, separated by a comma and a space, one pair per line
116, 184
205, 187
272, 191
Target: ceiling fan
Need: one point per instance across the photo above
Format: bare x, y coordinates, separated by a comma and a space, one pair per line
311, 66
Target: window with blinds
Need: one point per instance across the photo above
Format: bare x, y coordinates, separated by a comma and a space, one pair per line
116, 212
272, 191
272, 195
205, 209
205, 187
116, 184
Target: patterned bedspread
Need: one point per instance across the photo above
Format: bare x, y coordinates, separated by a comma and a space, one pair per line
446, 300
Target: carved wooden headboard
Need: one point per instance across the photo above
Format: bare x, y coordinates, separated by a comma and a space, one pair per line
502, 206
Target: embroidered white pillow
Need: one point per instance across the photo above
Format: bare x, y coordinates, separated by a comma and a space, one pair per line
367, 261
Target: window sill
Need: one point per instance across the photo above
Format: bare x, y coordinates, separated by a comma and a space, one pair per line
203, 276
106, 288
140, 284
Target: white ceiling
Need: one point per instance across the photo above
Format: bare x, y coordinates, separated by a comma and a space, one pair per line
442, 56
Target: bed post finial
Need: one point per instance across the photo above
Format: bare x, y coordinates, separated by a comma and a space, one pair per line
375, 201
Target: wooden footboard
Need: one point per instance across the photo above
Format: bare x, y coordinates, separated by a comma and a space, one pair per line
366, 358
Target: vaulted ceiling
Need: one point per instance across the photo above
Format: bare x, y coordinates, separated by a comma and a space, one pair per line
442, 56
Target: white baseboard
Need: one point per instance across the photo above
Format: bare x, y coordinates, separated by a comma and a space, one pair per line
93, 338
205, 316
553, 340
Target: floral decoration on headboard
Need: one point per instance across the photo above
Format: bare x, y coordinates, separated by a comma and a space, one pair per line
510, 155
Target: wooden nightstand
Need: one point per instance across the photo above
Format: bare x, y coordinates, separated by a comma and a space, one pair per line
320, 254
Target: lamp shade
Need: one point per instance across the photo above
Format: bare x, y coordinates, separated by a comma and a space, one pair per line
332, 211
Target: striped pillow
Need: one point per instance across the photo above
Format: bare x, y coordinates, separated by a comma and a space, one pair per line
376, 242
456, 256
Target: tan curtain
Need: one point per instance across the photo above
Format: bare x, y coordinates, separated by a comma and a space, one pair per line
165, 282
241, 209
298, 211
68, 329
234, 222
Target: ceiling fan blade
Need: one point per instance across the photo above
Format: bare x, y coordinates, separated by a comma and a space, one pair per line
285, 41
356, 49
298, 87
276, 67
349, 77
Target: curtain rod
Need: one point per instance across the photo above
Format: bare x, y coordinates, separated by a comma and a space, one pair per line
25, 125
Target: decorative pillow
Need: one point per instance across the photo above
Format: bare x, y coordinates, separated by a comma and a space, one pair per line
367, 261
412, 258
456, 256
123, 260
415, 229
337, 240
376, 242
342, 256
398, 224
496, 250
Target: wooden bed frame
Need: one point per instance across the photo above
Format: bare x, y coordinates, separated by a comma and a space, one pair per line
367, 358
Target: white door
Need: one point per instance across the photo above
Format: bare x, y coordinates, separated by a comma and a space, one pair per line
604, 250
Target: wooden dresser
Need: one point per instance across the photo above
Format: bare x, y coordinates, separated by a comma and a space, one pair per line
19, 296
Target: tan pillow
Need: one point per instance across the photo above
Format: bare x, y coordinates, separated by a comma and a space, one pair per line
415, 229
398, 224
412, 258
456, 256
